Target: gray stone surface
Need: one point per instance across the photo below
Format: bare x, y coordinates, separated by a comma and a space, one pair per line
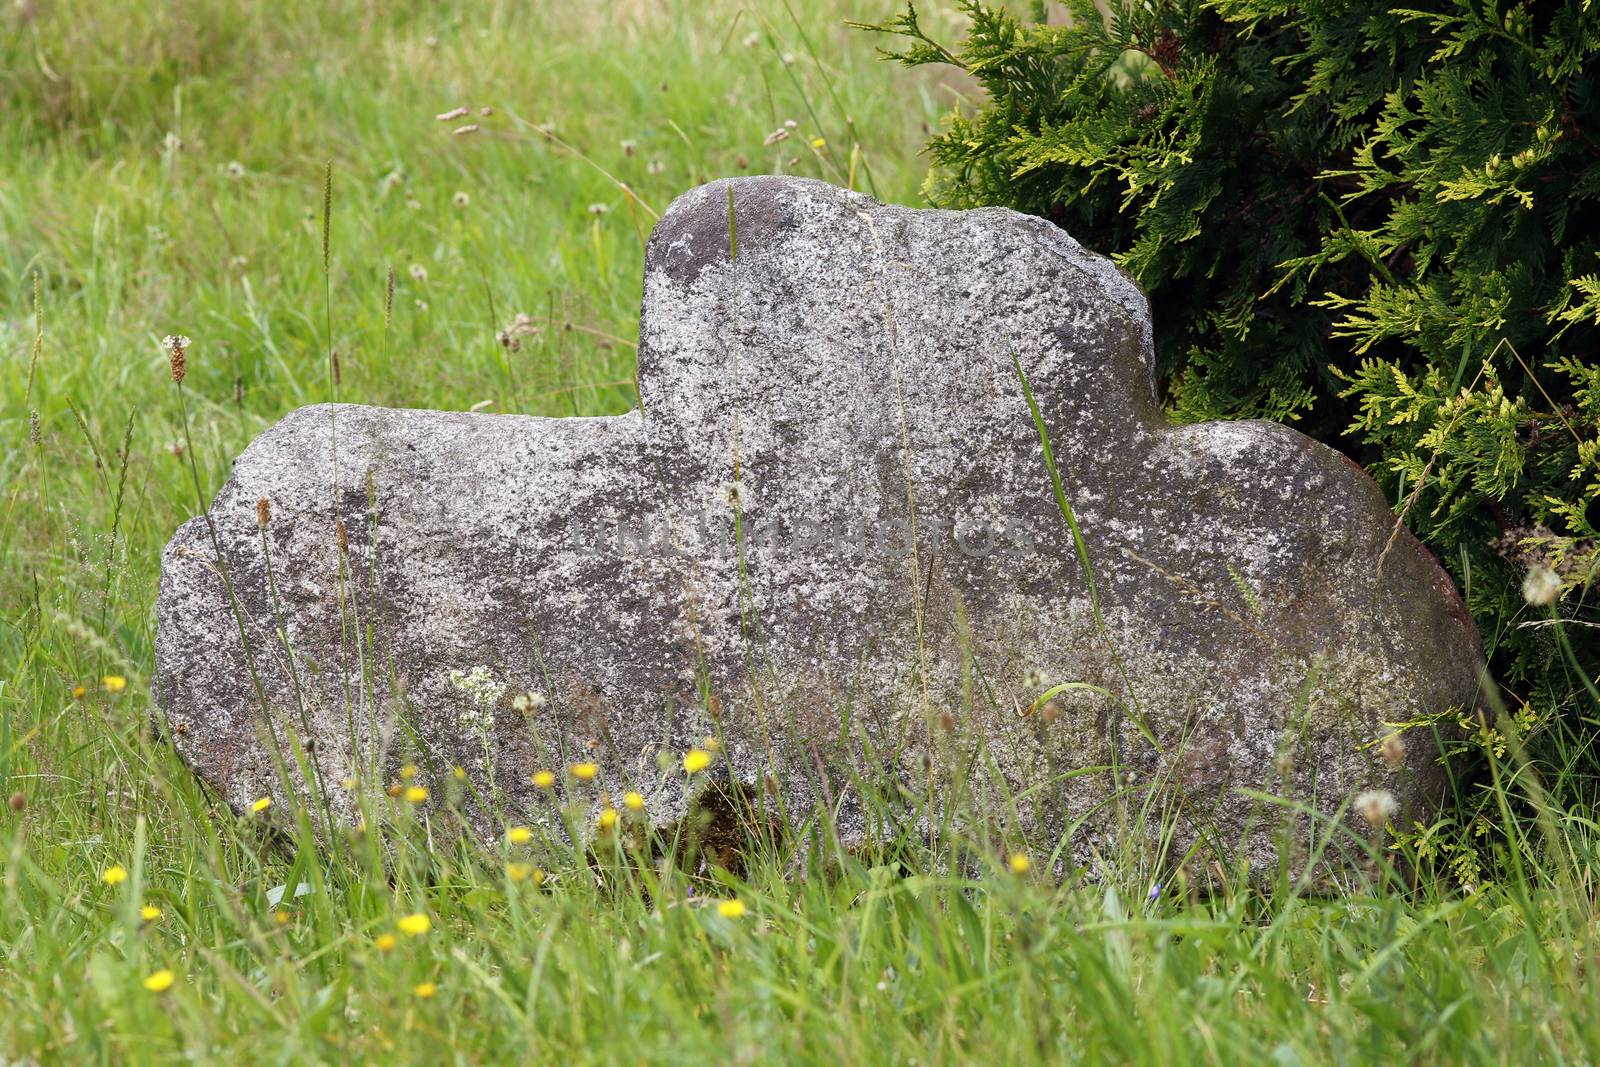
832, 515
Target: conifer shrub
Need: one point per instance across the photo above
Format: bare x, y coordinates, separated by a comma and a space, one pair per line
1381, 224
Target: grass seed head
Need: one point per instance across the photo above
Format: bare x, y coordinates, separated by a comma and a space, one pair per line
177, 346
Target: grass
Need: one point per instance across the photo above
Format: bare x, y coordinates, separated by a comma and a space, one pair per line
161, 171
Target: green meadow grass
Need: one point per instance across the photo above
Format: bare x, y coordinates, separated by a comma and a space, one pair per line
161, 172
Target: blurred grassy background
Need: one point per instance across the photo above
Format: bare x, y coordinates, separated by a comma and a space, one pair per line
161, 169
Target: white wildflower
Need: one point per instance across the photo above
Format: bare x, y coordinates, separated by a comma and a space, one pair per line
1541, 587
1376, 806
484, 692
479, 684
529, 702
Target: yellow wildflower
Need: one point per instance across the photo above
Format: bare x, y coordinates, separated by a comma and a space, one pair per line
385, 942
261, 805
584, 771
114, 683
408, 772
416, 924
394, 790
416, 794
281, 917
460, 773
114, 875
634, 801
79, 692
696, 760
731, 909
160, 981
424, 989
544, 779
149, 913
519, 835
818, 143
608, 818
519, 872
1019, 863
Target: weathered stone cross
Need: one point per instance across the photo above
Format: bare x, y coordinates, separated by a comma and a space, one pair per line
828, 539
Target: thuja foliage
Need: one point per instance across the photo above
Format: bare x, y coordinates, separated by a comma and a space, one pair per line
1380, 223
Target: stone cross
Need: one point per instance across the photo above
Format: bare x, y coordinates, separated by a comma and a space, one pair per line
828, 540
